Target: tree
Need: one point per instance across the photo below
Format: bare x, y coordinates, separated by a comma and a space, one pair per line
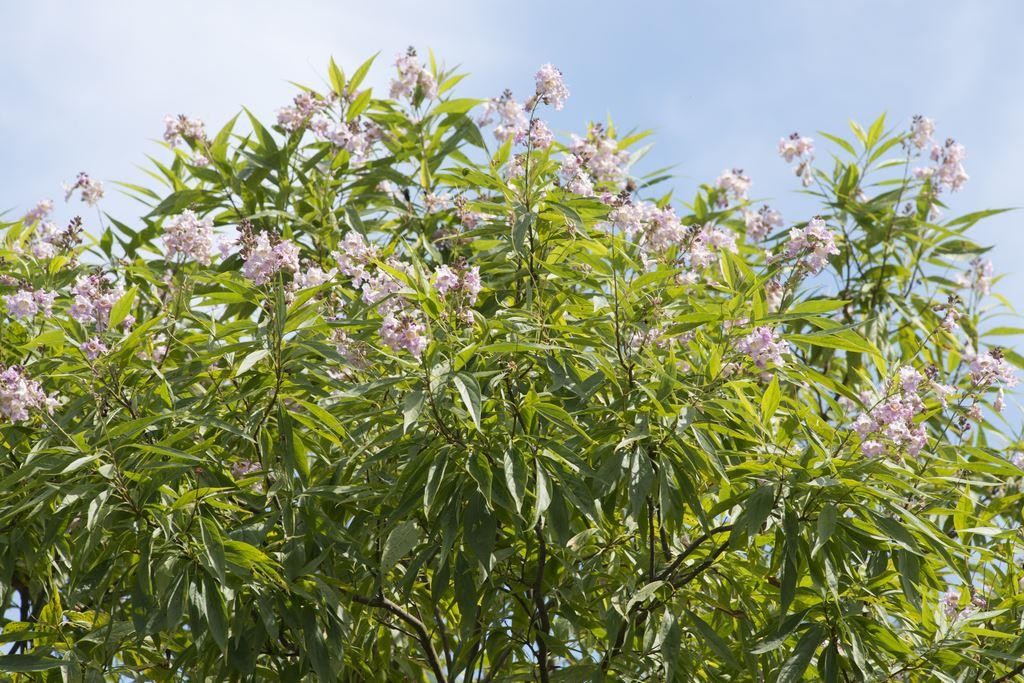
365, 395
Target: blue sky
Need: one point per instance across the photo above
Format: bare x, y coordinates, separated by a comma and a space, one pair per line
86, 85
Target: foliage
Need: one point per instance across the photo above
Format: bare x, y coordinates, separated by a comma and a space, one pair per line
451, 410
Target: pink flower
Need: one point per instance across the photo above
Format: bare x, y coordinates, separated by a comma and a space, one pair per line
93, 348
761, 223
190, 236
92, 190
764, 346
734, 184
992, 369
540, 136
19, 394
812, 245
550, 86
445, 280
795, 147
264, 260
512, 119
92, 299
40, 211
462, 280
949, 172
182, 127
313, 276
921, 130
872, 449
25, 304
801, 149
403, 330
354, 256
412, 78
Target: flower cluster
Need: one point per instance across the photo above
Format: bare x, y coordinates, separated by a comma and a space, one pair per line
732, 184
889, 425
948, 171
91, 190
264, 258
189, 236
304, 105
93, 297
47, 240
25, 304
20, 394
760, 223
596, 158
413, 78
811, 246
312, 276
951, 604
512, 119
354, 256
921, 130
403, 329
352, 351
551, 87
463, 283
764, 346
978, 276
93, 348
40, 211
182, 127
991, 370
658, 230
801, 149
356, 137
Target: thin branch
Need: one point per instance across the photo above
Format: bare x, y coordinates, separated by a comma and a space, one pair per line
421, 631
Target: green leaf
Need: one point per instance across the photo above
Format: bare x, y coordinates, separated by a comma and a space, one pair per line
177, 202
793, 668
469, 390
120, 310
826, 525
411, 409
770, 399
250, 361
401, 540
27, 663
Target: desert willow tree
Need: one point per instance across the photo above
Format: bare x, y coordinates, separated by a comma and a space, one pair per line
406, 388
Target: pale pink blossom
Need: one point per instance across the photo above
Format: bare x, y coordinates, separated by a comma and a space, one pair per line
182, 127
811, 245
40, 211
264, 259
403, 330
189, 236
512, 119
764, 346
921, 130
551, 87
412, 78
93, 348
733, 184
91, 190
19, 395
761, 223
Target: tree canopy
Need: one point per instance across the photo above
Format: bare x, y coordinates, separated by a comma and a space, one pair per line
406, 387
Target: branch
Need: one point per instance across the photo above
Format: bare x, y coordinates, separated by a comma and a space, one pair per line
668, 571
417, 626
542, 609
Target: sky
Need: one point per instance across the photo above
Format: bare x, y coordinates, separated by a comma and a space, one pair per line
86, 85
